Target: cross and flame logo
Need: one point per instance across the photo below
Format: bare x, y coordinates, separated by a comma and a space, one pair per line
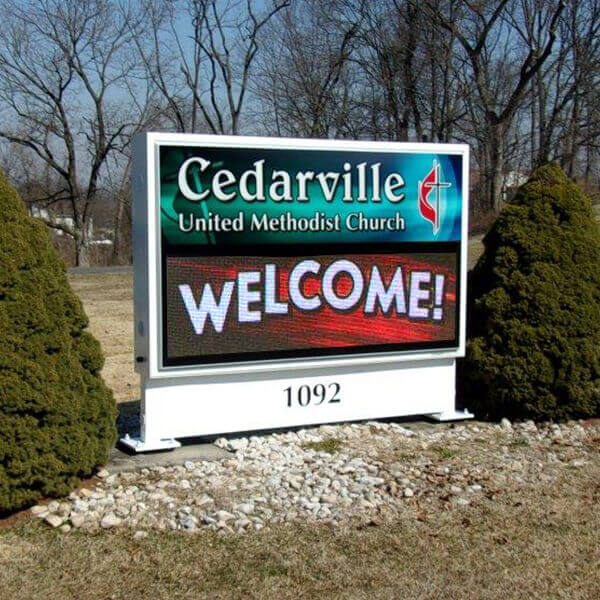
430, 207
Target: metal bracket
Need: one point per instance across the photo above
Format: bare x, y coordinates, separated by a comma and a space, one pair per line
451, 415
139, 445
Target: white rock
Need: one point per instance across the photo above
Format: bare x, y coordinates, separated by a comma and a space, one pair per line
157, 496
140, 535
54, 520
38, 510
295, 484
239, 444
242, 523
506, 424
64, 509
77, 520
189, 522
403, 430
223, 515
65, 528
110, 520
245, 508
122, 510
461, 501
330, 498
102, 474
273, 479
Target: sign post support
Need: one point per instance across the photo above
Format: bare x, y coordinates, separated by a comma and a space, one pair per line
285, 282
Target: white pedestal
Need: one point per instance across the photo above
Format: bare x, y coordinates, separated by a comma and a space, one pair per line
209, 405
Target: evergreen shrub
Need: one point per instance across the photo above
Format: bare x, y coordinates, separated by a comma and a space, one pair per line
57, 417
534, 324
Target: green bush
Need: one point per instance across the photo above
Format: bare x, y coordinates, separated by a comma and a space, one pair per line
534, 323
57, 418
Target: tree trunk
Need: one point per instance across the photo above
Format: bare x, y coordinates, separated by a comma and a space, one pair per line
496, 166
572, 137
82, 250
118, 227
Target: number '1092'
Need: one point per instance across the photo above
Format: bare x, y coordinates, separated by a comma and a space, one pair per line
319, 393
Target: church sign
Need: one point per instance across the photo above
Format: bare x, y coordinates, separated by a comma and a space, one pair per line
282, 282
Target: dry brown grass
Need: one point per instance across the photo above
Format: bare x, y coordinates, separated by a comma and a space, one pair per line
108, 302
541, 543
475, 250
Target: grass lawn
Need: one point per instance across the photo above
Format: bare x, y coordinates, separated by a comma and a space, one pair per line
108, 302
541, 543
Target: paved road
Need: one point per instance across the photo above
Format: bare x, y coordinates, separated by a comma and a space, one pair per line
100, 270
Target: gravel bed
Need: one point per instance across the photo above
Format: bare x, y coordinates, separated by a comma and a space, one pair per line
333, 474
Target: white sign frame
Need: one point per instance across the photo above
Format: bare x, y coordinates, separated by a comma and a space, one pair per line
206, 400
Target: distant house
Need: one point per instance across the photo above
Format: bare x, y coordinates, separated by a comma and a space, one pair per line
511, 181
514, 179
68, 222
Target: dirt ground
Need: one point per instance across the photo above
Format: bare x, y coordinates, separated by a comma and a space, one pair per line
108, 302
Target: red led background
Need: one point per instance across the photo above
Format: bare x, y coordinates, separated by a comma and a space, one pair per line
299, 330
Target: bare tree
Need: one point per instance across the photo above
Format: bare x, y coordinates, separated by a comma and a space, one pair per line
561, 89
583, 41
441, 88
500, 69
66, 95
202, 69
517, 79
304, 78
390, 59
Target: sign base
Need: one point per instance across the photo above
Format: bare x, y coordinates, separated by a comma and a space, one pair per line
451, 415
218, 404
138, 445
